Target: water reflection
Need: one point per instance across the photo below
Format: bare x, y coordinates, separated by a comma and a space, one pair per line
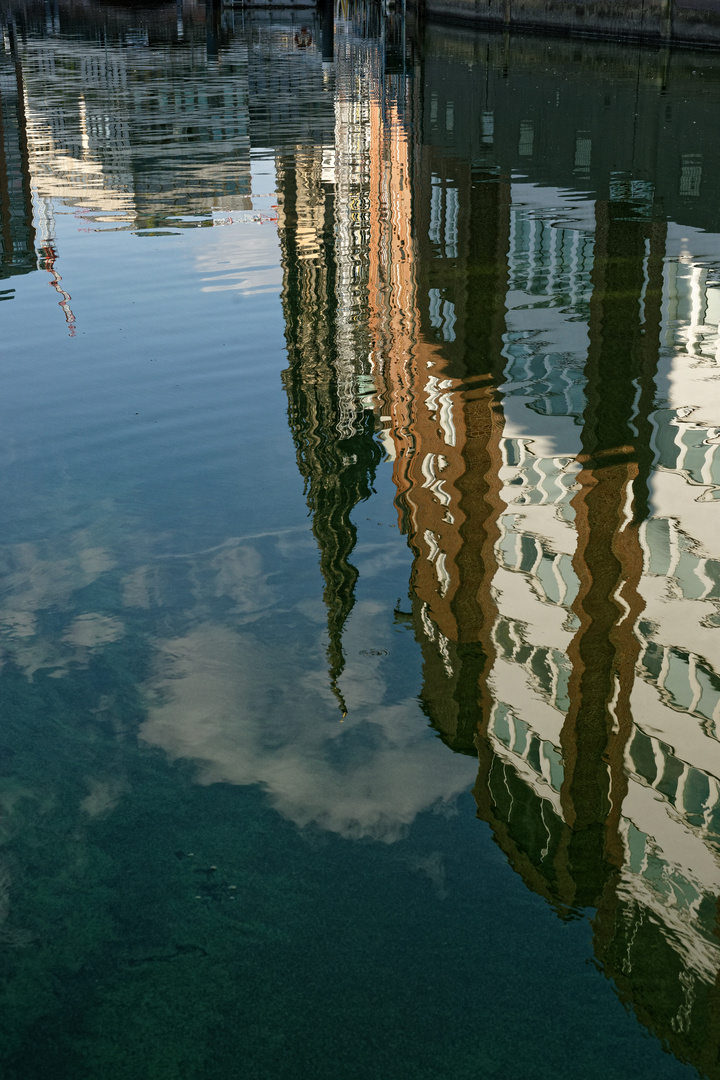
558, 615
520, 316
518, 361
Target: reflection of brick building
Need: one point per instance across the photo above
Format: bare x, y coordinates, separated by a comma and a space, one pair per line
440, 280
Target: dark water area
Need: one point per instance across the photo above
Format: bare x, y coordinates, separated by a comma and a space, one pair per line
360, 557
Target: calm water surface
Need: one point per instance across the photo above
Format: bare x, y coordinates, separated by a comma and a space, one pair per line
360, 552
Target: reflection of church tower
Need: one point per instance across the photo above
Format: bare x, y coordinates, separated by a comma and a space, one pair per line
336, 451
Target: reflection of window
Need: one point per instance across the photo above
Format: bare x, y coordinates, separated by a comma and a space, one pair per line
433, 108
443, 226
435, 302
450, 116
487, 128
451, 222
442, 314
436, 198
583, 151
448, 330
525, 145
690, 175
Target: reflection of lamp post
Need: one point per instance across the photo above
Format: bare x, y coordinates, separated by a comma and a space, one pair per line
212, 29
666, 26
328, 31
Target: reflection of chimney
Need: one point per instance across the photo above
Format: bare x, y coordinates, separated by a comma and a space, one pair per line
213, 19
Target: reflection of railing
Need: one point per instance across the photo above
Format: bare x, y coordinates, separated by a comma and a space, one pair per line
693, 793
553, 381
517, 736
686, 448
534, 479
548, 260
552, 574
685, 682
548, 669
670, 553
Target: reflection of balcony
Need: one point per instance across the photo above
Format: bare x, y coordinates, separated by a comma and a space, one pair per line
553, 577
686, 448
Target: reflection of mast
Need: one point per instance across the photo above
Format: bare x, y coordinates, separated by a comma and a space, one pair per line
48, 257
337, 465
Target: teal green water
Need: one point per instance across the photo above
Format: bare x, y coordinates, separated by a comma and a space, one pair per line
358, 582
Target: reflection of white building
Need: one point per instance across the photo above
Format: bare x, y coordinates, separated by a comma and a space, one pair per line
663, 750
132, 135
670, 821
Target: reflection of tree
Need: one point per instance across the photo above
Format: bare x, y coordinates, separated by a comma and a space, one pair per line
337, 460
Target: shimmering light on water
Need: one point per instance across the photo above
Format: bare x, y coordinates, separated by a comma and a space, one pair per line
359, 566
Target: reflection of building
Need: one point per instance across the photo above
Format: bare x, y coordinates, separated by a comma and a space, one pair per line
569, 614
515, 364
343, 305
133, 134
134, 147
17, 234
544, 385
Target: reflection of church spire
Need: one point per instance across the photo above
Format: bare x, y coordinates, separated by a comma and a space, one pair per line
337, 460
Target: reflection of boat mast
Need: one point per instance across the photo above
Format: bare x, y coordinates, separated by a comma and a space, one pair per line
48, 257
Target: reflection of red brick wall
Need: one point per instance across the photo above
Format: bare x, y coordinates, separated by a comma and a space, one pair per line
445, 431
